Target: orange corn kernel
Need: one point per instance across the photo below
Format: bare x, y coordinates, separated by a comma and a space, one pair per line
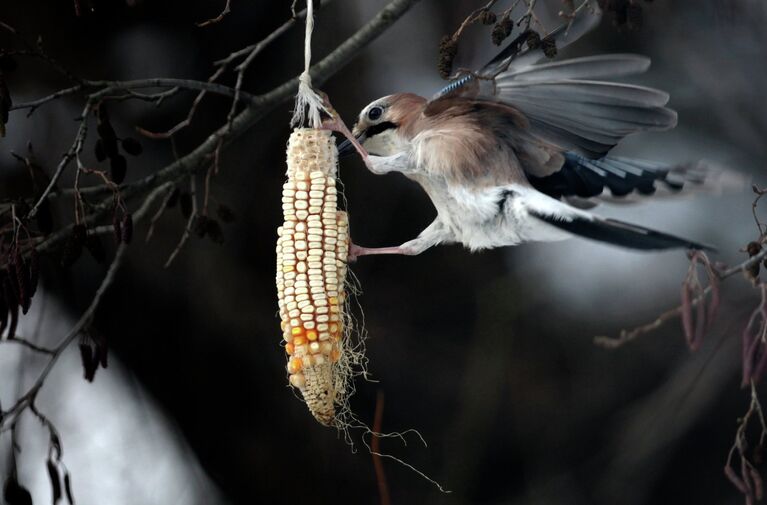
295, 365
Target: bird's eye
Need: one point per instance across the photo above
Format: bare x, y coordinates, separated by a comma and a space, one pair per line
375, 113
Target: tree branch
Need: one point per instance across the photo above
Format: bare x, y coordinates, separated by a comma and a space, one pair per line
629, 335
28, 398
258, 107
102, 89
227, 9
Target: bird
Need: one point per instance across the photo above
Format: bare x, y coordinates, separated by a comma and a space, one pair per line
519, 151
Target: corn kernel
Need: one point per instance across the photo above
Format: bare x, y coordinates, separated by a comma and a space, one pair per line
295, 365
298, 380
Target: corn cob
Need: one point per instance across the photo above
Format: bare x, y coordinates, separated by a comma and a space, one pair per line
312, 249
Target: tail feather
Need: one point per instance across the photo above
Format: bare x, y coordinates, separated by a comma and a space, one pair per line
564, 218
622, 234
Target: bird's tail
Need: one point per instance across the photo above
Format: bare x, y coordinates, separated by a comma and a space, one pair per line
572, 221
623, 234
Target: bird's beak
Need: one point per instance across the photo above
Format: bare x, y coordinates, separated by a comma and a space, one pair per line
346, 147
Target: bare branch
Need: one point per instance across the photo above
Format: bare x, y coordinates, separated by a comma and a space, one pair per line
375, 445
189, 224
629, 335
28, 398
216, 19
102, 89
257, 109
73, 151
29, 345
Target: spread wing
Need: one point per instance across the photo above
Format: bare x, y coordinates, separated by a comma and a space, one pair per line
566, 102
567, 106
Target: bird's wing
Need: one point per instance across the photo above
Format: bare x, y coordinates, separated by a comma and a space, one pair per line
566, 102
480, 143
585, 116
617, 177
585, 183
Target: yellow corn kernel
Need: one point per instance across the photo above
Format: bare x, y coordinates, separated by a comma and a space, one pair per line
312, 248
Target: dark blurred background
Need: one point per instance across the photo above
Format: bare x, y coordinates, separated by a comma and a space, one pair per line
490, 356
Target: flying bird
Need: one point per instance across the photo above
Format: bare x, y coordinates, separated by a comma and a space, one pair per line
519, 151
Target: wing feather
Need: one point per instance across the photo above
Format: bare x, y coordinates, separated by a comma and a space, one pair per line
590, 67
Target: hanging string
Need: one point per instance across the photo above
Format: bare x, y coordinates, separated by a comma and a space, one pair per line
308, 103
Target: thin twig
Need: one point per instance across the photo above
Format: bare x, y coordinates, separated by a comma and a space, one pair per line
573, 14
188, 120
472, 18
375, 445
160, 211
629, 335
760, 192
29, 345
36, 50
216, 19
102, 89
73, 151
189, 224
251, 51
749, 482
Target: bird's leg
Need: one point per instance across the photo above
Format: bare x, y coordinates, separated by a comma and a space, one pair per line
355, 251
435, 233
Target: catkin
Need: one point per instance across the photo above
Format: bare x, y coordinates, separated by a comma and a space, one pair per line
312, 250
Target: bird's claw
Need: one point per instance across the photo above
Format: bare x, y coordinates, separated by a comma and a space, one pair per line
355, 252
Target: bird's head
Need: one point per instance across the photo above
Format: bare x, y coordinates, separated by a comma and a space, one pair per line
383, 125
